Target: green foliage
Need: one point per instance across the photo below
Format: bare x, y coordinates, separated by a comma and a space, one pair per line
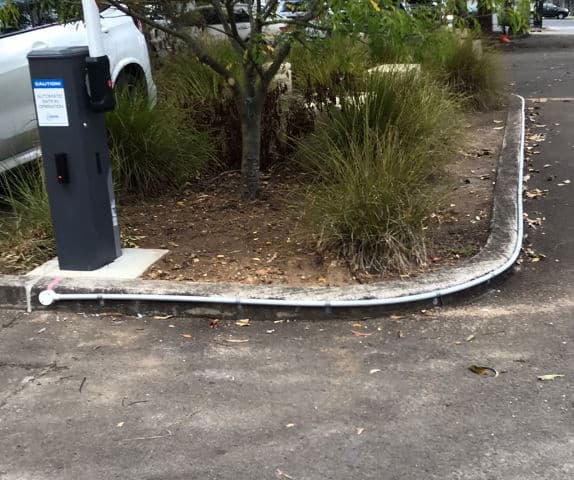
186, 82
9, 16
517, 18
205, 99
26, 237
391, 33
377, 163
154, 150
16, 14
471, 71
323, 67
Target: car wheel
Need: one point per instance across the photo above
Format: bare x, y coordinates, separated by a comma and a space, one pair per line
130, 83
560, 16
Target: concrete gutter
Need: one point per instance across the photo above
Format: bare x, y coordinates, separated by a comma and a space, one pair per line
223, 300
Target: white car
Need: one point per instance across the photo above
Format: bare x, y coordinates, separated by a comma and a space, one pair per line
207, 23
290, 10
32, 29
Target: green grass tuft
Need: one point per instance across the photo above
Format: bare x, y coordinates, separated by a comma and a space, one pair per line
26, 236
377, 165
154, 150
471, 71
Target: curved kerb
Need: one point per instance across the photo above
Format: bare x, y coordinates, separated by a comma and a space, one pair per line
498, 255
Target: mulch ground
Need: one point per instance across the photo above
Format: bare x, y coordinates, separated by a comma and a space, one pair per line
214, 237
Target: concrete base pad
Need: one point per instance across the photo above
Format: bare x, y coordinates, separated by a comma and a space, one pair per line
132, 264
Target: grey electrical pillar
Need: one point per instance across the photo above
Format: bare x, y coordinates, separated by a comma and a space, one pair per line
71, 92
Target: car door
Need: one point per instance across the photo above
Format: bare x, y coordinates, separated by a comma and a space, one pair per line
549, 10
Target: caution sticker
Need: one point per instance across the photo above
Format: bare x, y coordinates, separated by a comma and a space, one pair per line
50, 100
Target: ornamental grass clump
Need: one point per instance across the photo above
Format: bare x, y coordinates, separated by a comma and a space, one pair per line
471, 70
154, 150
376, 166
26, 235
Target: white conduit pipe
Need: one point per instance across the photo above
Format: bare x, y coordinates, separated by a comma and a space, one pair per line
47, 297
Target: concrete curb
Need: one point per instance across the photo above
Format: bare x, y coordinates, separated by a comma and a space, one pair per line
495, 258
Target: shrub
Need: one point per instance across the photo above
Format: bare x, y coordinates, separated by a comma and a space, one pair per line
419, 108
205, 99
474, 73
376, 165
323, 67
397, 37
516, 17
153, 150
26, 236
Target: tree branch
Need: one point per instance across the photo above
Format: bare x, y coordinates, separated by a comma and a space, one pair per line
229, 25
194, 45
269, 8
284, 49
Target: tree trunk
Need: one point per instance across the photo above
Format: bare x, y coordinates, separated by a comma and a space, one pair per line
251, 144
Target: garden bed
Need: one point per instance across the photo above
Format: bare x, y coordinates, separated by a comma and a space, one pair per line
214, 237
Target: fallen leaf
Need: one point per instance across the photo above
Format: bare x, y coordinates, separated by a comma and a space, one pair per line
533, 256
187, 335
360, 430
236, 340
214, 323
244, 322
470, 338
400, 334
549, 377
536, 193
280, 474
360, 334
484, 371
374, 370
537, 137
357, 325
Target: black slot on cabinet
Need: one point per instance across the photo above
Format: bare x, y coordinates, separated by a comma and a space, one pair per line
62, 172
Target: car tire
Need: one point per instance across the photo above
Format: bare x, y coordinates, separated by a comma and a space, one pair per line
560, 16
130, 82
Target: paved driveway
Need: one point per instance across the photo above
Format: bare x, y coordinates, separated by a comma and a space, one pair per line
104, 397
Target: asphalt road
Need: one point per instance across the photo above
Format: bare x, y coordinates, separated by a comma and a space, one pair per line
104, 397
562, 27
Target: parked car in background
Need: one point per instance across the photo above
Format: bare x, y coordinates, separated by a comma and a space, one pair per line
291, 10
205, 21
549, 10
34, 26
211, 23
